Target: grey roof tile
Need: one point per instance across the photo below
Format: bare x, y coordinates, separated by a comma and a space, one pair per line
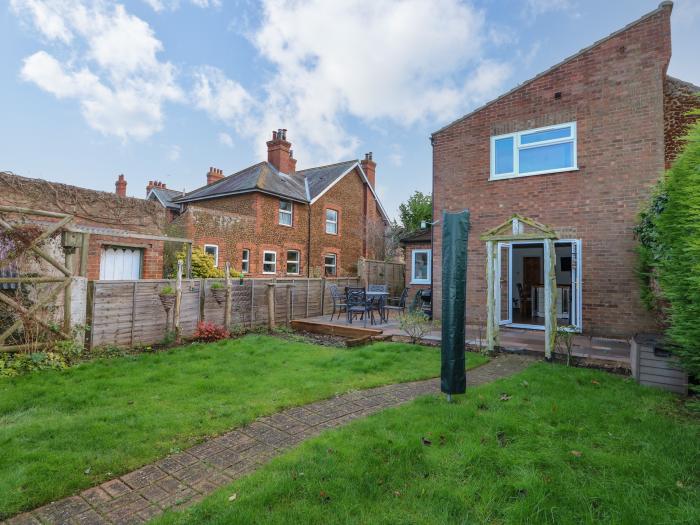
166, 196
321, 177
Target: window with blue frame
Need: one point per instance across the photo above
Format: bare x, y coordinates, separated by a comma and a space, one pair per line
533, 152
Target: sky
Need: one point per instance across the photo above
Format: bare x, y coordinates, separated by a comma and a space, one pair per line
163, 89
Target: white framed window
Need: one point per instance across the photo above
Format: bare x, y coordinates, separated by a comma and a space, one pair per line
293, 262
213, 251
286, 213
332, 221
420, 266
269, 262
245, 261
330, 265
550, 149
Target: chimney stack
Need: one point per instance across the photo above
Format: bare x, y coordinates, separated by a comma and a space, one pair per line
214, 175
279, 152
154, 184
369, 167
120, 186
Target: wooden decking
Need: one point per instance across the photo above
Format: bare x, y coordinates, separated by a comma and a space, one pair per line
609, 353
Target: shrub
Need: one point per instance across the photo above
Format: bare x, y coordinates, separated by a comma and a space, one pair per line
202, 264
167, 290
210, 332
216, 285
416, 325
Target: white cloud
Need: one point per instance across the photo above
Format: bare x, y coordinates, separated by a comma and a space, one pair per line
226, 139
160, 5
222, 98
372, 59
113, 69
535, 8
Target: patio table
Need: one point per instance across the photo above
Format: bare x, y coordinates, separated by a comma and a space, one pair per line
381, 297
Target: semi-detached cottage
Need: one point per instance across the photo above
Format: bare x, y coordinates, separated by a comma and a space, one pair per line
271, 220
571, 155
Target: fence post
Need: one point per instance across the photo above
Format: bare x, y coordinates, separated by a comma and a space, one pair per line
178, 301
227, 304
252, 302
271, 306
323, 296
133, 314
67, 291
308, 283
290, 302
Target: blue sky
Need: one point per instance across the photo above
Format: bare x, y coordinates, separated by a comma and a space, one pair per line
163, 89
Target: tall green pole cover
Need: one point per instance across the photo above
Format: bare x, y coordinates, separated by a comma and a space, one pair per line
455, 234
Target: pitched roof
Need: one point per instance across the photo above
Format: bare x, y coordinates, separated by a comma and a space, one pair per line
424, 235
262, 176
663, 5
321, 178
303, 186
165, 197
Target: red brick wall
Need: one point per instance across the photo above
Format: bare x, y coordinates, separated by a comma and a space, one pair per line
98, 209
251, 221
614, 91
679, 98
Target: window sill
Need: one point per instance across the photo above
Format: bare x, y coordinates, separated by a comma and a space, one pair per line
420, 282
547, 172
285, 225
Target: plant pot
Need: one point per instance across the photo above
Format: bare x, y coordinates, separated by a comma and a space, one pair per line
219, 294
167, 300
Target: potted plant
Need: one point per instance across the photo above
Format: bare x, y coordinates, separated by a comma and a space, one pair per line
218, 290
167, 297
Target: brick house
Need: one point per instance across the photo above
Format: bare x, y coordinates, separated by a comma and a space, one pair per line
271, 220
121, 237
575, 151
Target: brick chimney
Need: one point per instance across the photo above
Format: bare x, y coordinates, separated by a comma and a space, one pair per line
369, 167
279, 152
214, 174
120, 186
154, 184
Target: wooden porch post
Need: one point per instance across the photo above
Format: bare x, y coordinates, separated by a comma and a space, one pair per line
550, 298
491, 319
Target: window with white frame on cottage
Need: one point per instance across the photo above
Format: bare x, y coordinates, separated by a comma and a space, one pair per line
269, 262
285, 213
537, 151
420, 266
213, 251
330, 265
293, 259
332, 221
245, 261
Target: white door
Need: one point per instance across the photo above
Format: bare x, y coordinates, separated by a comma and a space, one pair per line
576, 281
504, 300
120, 263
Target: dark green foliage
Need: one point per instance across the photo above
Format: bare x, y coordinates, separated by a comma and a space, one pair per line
418, 207
676, 251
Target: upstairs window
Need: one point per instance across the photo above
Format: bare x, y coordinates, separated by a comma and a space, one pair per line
286, 213
330, 265
534, 152
212, 250
292, 262
245, 261
269, 262
332, 222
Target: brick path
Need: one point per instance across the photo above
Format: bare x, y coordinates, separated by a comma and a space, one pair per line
182, 479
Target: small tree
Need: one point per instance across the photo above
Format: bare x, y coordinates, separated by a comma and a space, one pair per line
564, 340
416, 325
418, 208
203, 264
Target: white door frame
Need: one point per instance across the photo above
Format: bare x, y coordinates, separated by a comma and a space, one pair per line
576, 283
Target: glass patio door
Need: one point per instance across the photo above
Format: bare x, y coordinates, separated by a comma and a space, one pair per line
503, 292
576, 281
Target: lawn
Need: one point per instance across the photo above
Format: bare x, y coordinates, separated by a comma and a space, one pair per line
61, 431
549, 445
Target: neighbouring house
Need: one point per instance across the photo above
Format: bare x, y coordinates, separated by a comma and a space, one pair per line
271, 220
418, 256
555, 172
121, 237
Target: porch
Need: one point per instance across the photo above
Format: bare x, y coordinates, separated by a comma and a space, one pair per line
599, 351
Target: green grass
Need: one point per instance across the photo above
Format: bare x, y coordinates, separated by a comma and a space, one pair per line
63, 431
636, 459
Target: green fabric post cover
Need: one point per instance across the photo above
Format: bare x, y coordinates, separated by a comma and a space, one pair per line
455, 233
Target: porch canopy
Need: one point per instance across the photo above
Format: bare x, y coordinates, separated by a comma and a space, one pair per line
519, 228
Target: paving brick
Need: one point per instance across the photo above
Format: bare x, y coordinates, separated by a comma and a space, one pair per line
62, 511
115, 487
143, 476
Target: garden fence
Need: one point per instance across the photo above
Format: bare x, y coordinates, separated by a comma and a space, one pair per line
130, 313
391, 274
